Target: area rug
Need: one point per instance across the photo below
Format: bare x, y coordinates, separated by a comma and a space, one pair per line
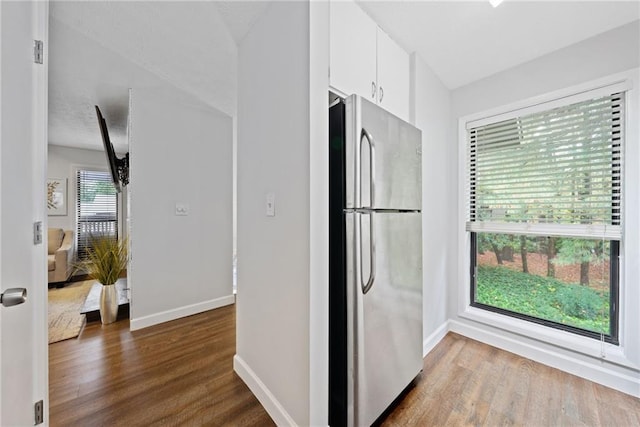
65, 320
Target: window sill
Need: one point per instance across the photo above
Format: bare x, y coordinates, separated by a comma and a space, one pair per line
565, 340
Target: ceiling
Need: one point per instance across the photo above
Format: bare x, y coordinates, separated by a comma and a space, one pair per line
465, 41
100, 49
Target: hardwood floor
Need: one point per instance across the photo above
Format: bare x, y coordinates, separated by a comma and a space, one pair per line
177, 373
180, 373
465, 382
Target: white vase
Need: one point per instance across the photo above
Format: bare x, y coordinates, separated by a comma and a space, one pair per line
108, 304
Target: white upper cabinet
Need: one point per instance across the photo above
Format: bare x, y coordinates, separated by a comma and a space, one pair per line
364, 60
352, 50
393, 76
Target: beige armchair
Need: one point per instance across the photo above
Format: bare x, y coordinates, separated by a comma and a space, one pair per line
60, 255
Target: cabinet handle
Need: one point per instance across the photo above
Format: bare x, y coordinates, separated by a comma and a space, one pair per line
373, 90
381, 94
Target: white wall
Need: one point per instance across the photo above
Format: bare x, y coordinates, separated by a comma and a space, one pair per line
272, 317
180, 152
319, 214
609, 53
62, 163
431, 114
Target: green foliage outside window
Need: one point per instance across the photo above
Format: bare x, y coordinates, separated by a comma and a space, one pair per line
89, 190
544, 298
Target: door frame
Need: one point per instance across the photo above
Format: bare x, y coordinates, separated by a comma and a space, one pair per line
40, 125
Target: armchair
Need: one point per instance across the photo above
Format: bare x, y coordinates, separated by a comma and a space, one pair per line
60, 255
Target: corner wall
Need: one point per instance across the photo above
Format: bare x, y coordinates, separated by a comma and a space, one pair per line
431, 113
272, 315
180, 154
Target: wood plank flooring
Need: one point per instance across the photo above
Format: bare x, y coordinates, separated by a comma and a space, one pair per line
180, 373
177, 373
465, 382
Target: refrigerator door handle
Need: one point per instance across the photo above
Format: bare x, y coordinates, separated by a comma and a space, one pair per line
372, 160
372, 256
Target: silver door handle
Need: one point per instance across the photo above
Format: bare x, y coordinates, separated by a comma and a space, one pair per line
364, 134
372, 256
373, 90
13, 296
381, 94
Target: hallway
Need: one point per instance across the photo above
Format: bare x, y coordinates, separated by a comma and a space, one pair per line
176, 373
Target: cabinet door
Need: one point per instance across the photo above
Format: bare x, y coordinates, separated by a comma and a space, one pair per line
352, 50
393, 77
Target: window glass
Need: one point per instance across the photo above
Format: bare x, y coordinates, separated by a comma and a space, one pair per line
560, 281
97, 208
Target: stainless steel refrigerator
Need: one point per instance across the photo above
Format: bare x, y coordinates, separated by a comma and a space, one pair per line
375, 244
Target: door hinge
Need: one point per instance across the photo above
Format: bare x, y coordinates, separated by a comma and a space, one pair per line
37, 232
39, 412
38, 51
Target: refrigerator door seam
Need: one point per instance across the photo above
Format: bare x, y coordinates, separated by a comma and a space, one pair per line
367, 210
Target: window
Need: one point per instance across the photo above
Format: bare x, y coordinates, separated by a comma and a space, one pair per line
97, 207
544, 214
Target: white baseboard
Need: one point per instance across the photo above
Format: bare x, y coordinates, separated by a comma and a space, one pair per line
177, 313
432, 340
275, 410
595, 371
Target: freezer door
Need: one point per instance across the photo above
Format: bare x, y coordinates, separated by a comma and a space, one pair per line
383, 158
387, 320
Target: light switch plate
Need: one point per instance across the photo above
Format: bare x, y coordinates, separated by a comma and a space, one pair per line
182, 209
270, 204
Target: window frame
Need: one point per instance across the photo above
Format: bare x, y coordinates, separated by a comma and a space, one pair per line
474, 147
516, 333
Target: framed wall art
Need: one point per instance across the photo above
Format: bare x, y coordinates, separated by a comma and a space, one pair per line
56, 196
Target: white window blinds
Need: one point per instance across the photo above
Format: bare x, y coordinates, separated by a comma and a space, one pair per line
97, 208
553, 172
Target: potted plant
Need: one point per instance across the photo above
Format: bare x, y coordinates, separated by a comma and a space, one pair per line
107, 258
